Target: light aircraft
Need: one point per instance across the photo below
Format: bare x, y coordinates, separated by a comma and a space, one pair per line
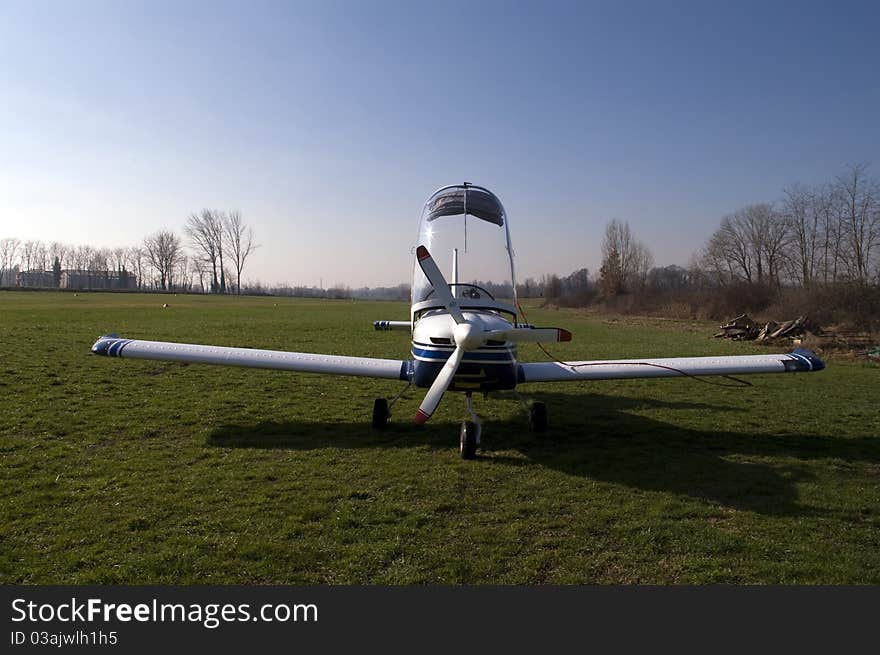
463, 338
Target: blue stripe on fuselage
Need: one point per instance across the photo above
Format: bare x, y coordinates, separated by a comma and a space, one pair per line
494, 355
480, 370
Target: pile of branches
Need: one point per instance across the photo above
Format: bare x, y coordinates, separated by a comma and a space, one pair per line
744, 328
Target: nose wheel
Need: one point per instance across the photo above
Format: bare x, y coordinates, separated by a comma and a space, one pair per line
469, 438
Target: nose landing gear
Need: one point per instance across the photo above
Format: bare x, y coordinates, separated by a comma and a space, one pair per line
469, 436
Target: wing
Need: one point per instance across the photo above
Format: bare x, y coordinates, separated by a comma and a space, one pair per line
798, 361
393, 369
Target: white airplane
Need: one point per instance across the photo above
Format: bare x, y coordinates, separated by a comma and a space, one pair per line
463, 338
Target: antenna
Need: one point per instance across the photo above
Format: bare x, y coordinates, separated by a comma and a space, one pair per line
454, 272
465, 185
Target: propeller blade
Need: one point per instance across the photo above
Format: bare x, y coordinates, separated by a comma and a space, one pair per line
441, 288
529, 335
441, 384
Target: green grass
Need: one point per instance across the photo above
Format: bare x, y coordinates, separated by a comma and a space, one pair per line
124, 471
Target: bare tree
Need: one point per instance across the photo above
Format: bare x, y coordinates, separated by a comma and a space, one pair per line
578, 283
206, 235
802, 213
733, 243
625, 260
749, 245
119, 257
99, 262
831, 220
80, 256
200, 272
715, 261
552, 286
770, 236
640, 264
41, 256
753, 220
198, 231
163, 250
859, 198
668, 278
219, 238
183, 275
9, 248
137, 257
29, 254
240, 243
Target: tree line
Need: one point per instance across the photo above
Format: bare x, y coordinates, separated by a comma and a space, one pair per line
626, 268
823, 234
816, 249
210, 257
827, 233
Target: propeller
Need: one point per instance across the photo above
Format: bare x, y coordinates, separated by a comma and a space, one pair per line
441, 288
467, 335
441, 384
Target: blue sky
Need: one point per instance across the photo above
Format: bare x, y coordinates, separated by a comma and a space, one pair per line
328, 124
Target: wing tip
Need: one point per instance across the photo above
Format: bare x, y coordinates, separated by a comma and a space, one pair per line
564, 335
102, 345
109, 345
815, 364
422, 253
421, 417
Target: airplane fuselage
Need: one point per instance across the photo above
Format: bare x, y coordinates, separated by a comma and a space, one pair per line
492, 367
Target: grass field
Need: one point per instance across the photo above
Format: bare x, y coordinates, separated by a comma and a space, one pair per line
124, 471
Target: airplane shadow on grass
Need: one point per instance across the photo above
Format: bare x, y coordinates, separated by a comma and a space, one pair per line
598, 437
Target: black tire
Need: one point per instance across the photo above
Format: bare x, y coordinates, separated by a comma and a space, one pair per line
380, 413
538, 417
468, 440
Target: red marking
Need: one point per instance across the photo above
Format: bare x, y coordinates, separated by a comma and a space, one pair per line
422, 253
564, 335
421, 417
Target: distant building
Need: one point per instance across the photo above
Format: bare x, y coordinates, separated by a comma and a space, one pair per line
36, 279
69, 279
99, 280
9, 278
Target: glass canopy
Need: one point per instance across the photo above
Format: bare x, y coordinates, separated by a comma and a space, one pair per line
465, 229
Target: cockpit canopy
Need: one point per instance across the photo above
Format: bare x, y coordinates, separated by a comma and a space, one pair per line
465, 229
461, 200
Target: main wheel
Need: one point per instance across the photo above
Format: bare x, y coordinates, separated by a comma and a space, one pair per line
468, 440
380, 413
538, 417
